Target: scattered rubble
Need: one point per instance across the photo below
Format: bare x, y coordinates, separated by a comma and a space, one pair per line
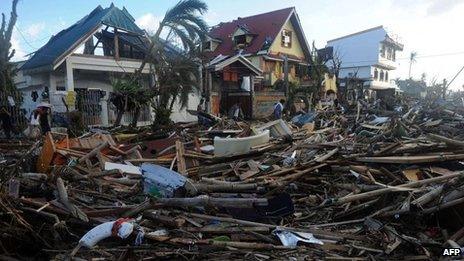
360, 184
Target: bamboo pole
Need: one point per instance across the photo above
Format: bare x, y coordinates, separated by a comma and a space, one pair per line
398, 188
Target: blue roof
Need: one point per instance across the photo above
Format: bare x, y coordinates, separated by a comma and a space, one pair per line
62, 42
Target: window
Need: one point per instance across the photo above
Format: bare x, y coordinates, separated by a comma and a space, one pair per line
386, 76
60, 88
382, 50
240, 40
376, 74
286, 38
394, 55
207, 46
381, 75
230, 76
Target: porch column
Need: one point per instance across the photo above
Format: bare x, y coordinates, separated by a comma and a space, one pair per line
252, 92
104, 112
70, 85
69, 76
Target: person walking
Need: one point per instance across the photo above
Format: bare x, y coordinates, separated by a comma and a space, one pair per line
44, 115
278, 109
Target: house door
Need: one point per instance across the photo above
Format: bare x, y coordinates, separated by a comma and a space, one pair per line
88, 103
228, 100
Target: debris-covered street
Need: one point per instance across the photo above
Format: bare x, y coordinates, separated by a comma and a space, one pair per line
337, 186
231, 130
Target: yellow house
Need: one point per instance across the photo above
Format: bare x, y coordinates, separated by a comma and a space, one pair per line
266, 41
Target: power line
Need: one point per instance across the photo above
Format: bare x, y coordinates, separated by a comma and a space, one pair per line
24, 38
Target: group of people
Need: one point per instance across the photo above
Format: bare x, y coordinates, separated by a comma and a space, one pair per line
235, 111
39, 121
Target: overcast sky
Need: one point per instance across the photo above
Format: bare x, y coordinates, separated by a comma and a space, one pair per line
432, 28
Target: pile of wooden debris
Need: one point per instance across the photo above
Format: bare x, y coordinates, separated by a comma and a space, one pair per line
326, 184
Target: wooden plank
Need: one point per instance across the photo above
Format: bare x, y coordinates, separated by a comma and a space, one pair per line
180, 151
47, 154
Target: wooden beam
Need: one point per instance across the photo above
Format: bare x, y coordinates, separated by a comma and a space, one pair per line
180, 152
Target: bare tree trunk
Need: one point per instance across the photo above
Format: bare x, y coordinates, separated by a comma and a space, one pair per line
5, 45
174, 98
119, 115
135, 117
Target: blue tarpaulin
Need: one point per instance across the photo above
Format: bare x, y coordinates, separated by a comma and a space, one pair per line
161, 182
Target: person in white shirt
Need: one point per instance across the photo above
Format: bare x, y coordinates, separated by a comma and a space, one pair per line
278, 109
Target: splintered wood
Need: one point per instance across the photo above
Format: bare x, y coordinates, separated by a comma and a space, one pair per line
358, 184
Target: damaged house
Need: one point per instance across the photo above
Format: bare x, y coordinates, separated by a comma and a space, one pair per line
75, 68
245, 61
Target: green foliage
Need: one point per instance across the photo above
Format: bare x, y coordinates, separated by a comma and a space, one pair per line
129, 96
162, 116
76, 123
185, 22
175, 73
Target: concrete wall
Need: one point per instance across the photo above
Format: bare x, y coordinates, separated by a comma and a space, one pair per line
263, 103
181, 115
362, 49
362, 72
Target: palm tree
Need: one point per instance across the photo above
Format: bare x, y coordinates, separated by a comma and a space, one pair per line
412, 59
176, 73
182, 21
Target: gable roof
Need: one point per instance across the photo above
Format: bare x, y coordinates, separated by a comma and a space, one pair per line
51, 53
220, 62
265, 27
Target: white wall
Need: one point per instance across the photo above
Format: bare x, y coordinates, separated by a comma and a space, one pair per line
179, 115
360, 49
362, 72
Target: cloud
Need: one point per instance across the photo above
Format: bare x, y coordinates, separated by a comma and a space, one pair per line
437, 7
34, 30
15, 44
427, 7
148, 21
213, 18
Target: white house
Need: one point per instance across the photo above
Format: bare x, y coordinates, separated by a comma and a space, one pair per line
369, 55
76, 66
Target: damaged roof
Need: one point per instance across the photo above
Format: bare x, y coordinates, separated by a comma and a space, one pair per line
51, 53
265, 27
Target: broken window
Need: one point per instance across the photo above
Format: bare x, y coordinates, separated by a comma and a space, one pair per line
286, 38
240, 40
207, 46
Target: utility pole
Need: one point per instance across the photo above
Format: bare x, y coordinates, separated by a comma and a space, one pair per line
457, 74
